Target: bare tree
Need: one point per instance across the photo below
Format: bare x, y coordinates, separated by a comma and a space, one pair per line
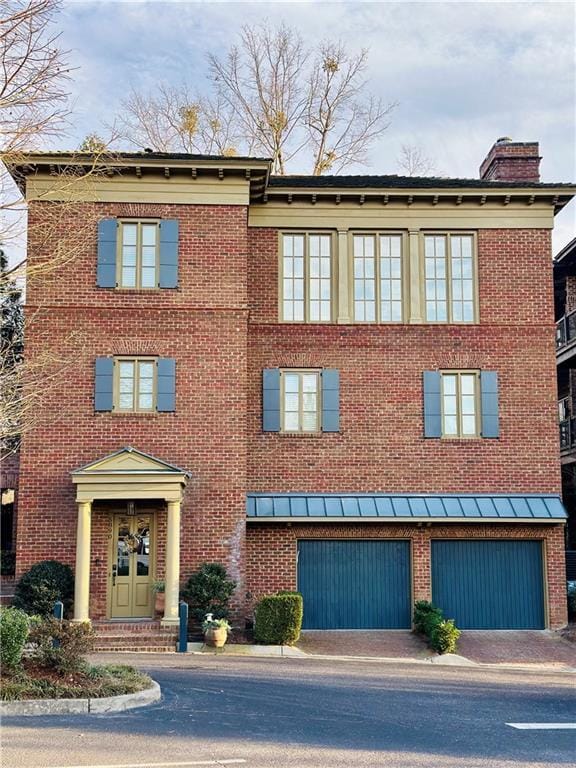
413, 161
271, 96
34, 73
342, 124
262, 80
173, 120
34, 76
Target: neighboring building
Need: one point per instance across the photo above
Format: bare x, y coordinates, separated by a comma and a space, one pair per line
344, 385
565, 308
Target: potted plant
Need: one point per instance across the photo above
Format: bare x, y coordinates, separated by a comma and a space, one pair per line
159, 589
215, 631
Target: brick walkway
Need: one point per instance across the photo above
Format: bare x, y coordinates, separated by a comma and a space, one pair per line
517, 648
390, 644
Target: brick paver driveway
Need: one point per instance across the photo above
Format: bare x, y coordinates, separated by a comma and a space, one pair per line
490, 647
510, 647
383, 643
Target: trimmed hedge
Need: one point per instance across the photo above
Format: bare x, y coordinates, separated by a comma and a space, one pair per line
14, 627
41, 586
442, 634
278, 619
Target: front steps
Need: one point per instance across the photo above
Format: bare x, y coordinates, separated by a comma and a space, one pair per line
135, 636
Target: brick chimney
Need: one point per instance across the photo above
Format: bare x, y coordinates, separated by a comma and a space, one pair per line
512, 161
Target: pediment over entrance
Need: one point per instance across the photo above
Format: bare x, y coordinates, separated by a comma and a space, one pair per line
129, 460
129, 474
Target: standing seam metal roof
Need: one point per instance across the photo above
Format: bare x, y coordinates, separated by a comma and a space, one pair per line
405, 506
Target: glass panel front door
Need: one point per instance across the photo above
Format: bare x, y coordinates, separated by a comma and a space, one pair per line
131, 570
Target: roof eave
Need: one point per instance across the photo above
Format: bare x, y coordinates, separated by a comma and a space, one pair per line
557, 196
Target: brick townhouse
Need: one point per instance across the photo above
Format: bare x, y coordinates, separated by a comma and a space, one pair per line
344, 385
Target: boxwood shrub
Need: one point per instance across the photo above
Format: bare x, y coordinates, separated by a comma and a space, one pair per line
278, 619
209, 590
41, 586
14, 626
442, 634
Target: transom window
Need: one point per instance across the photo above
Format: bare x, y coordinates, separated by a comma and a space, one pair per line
378, 283
135, 385
306, 280
449, 278
138, 262
460, 403
300, 393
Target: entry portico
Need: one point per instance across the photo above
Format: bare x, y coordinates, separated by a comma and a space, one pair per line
129, 476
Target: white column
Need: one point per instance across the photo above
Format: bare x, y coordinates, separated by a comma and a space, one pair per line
172, 564
82, 575
415, 282
343, 290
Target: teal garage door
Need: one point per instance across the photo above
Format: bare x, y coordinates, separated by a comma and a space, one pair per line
489, 584
355, 584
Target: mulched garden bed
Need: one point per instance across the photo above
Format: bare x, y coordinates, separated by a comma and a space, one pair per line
30, 681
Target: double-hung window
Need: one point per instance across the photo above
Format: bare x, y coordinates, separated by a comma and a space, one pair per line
450, 279
306, 278
138, 263
300, 401
378, 278
460, 403
135, 385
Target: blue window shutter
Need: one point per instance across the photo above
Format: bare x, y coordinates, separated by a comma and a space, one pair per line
271, 400
166, 385
104, 384
432, 404
168, 253
489, 403
330, 400
106, 269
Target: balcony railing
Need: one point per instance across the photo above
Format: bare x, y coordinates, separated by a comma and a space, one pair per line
567, 434
566, 330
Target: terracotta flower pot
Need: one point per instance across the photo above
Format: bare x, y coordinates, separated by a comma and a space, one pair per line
216, 638
159, 603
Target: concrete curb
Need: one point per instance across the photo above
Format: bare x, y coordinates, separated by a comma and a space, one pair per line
246, 650
81, 706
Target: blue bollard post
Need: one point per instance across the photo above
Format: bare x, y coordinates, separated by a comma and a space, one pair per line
183, 633
58, 612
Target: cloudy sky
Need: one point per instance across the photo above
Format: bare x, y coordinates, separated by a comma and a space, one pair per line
463, 73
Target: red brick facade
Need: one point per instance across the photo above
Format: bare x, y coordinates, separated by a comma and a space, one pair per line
221, 326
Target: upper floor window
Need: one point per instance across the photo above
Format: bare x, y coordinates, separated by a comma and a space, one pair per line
378, 279
139, 254
135, 385
306, 278
460, 403
449, 278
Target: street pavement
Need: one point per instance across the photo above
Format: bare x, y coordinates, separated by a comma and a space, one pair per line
312, 713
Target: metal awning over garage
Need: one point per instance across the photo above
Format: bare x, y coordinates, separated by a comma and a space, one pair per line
525, 508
